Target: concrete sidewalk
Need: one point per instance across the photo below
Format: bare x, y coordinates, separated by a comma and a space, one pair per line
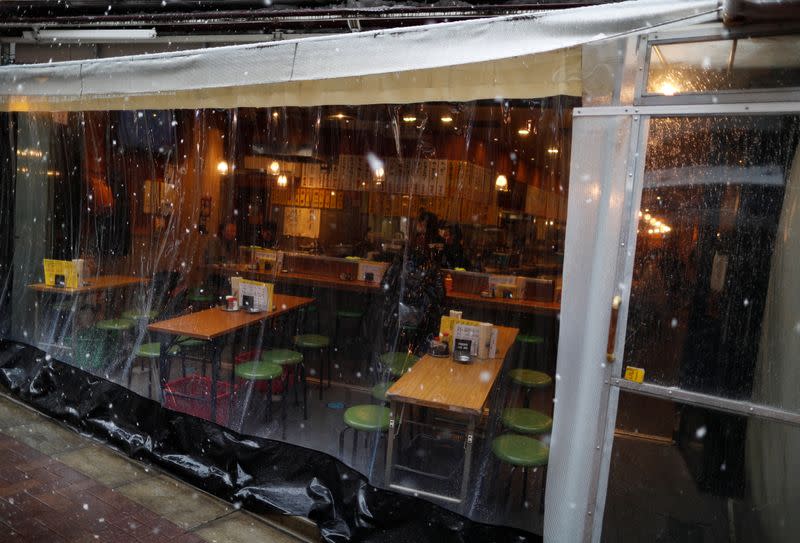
58, 486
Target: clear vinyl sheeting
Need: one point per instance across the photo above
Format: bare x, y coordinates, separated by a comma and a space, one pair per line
513, 57
283, 273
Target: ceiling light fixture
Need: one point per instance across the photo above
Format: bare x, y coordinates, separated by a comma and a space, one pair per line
282, 181
501, 182
222, 167
409, 119
274, 167
447, 119
92, 36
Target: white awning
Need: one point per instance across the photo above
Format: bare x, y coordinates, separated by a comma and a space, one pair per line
514, 57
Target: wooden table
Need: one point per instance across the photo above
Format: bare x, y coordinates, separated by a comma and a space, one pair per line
213, 325
441, 383
307, 279
91, 285
522, 306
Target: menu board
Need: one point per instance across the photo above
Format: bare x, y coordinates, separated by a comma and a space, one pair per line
254, 294
371, 272
301, 221
63, 273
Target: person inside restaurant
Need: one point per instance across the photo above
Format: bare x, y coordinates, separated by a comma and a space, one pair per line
453, 256
414, 291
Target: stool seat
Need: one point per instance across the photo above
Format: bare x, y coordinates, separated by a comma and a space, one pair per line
282, 357
311, 341
398, 363
186, 341
379, 390
151, 350
520, 451
350, 313
530, 339
530, 378
114, 324
64, 305
526, 421
258, 370
136, 315
200, 296
367, 418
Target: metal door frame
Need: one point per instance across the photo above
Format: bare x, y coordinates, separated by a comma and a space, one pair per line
586, 398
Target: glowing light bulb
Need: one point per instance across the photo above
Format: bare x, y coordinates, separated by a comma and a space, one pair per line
282, 181
222, 167
501, 182
668, 88
274, 167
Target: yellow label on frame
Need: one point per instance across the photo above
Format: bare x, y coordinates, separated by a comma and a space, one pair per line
634, 374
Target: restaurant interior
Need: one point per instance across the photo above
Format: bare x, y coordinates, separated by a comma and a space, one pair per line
359, 228
320, 275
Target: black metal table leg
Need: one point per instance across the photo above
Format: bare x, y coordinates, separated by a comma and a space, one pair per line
216, 355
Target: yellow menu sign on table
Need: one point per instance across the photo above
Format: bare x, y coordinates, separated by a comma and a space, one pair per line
448, 325
261, 295
61, 273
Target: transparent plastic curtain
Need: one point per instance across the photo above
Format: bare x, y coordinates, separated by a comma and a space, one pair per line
165, 206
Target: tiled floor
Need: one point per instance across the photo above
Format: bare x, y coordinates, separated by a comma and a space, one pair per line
58, 486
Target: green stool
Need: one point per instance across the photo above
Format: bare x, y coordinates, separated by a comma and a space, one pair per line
114, 325
152, 353
529, 380
317, 344
356, 318
290, 359
90, 349
189, 348
65, 312
115, 340
528, 342
526, 421
304, 315
258, 370
408, 335
379, 391
373, 419
136, 315
201, 297
522, 452
397, 363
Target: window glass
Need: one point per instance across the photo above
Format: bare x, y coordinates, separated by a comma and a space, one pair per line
709, 66
714, 280
710, 477
229, 263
